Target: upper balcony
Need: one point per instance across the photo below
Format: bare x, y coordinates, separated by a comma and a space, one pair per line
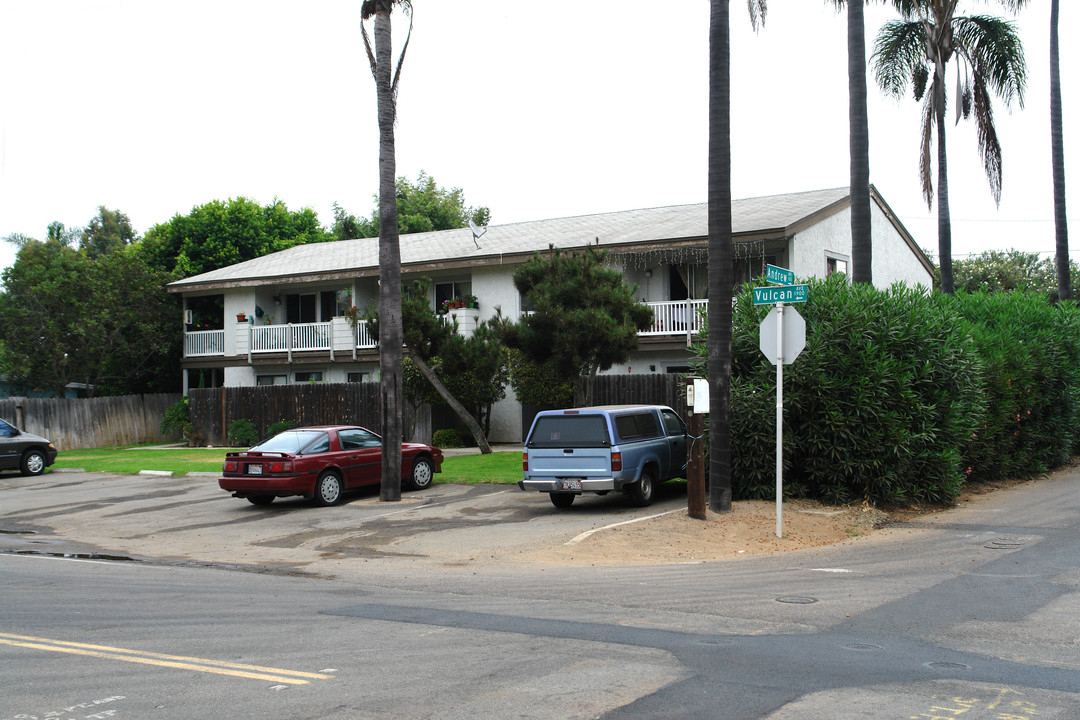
672, 319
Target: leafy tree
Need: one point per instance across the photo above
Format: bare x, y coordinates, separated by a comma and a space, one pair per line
917, 50
423, 206
1005, 271
721, 248
219, 234
586, 318
467, 374
539, 384
108, 231
1061, 226
68, 317
390, 327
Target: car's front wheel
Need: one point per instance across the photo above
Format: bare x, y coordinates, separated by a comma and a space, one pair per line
328, 489
423, 473
33, 463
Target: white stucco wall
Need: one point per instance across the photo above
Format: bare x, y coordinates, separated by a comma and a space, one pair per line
893, 260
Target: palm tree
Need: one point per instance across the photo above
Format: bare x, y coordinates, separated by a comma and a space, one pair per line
989, 56
1061, 227
858, 145
721, 249
390, 327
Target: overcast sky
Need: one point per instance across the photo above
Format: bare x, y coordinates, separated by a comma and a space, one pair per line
533, 110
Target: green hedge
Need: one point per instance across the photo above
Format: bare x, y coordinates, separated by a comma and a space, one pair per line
875, 408
1031, 380
901, 396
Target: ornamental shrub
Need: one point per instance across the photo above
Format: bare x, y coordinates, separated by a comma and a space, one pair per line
280, 426
242, 433
447, 439
1031, 381
177, 418
876, 408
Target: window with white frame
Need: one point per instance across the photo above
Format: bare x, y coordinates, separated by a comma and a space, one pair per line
835, 264
309, 376
271, 379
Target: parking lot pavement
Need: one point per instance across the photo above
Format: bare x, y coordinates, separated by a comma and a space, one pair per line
190, 519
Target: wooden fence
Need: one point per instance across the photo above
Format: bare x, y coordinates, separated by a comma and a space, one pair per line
214, 409
72, 423
654, 389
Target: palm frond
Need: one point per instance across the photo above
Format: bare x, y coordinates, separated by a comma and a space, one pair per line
925, 164
899, 51
758, 10
989, 146
992, 46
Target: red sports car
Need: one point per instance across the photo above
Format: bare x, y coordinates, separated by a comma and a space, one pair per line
321, 463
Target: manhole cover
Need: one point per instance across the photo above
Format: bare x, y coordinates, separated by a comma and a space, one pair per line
948, 666
797, 600
1004, 544
862, 646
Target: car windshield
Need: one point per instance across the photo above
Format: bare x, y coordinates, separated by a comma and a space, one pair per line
569, 431
291, 441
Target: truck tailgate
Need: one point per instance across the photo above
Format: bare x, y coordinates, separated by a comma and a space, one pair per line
569, 462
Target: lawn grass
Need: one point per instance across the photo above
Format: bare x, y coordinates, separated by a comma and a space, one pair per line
500, 467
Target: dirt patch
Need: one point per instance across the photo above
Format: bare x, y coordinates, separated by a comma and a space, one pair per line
750, 528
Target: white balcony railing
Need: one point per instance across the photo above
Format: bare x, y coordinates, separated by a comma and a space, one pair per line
676, 317
204, 342
364, 339
289, 338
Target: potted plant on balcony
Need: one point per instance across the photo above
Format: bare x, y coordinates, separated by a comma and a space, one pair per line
470, 301
241, 317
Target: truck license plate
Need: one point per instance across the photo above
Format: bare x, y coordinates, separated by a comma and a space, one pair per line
571, 484
254, 469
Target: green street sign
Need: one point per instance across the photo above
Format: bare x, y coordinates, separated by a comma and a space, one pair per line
780, 293
779, 275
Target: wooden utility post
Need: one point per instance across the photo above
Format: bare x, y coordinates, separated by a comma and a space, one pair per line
695, 458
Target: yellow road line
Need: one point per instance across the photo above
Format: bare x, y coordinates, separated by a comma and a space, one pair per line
253, 672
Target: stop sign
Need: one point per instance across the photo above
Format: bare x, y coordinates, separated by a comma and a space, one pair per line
793, 331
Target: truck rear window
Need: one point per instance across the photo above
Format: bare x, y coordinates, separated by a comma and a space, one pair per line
569, 431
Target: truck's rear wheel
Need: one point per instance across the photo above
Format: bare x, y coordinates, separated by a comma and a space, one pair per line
641, 492
562, 500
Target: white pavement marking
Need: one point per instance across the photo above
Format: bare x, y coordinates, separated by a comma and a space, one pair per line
587, 533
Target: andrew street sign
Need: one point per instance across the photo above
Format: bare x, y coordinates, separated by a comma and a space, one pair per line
781, 293
779, 275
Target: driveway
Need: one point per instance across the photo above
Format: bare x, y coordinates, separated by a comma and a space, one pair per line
189, 519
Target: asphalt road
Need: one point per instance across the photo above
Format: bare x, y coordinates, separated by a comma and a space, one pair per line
972, 614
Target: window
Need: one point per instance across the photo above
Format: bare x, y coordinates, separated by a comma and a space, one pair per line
834, 264
328, 305
315, 376
636, 426
358, 438
359, 377
569, 431
300, 308
6, 430
450, 290
271, 379
673, 424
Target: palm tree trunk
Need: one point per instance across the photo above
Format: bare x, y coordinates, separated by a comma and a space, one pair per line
859, 145
721, 257
1057, 152
944, 217
455, 405
390, 328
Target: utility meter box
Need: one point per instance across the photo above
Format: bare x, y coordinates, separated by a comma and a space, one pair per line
697, 396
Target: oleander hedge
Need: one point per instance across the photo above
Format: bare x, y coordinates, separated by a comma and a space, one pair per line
901, 396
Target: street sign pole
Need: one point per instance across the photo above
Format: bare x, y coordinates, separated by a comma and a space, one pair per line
779, 419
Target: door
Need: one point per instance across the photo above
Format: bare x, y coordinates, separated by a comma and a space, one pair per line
676, 432
363, 453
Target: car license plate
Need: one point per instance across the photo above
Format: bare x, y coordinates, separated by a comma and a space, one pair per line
254, 469
571, 484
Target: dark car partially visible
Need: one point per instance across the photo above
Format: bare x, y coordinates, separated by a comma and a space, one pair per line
28, 453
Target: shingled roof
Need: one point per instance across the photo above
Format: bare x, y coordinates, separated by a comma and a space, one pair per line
624, 231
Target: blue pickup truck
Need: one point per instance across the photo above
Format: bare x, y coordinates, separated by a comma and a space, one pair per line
629, 448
